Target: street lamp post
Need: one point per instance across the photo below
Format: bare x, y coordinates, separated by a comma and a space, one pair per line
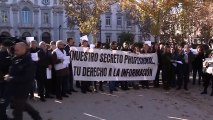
59, 32
100, 29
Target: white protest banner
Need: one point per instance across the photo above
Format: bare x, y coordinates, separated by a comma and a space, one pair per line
112, 65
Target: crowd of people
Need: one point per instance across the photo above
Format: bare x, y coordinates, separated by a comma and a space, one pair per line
21, 76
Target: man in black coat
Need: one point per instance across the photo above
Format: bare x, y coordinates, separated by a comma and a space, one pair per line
33, 49
42, 65
70, 43
20, 79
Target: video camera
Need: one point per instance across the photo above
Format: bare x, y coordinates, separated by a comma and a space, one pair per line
9, 41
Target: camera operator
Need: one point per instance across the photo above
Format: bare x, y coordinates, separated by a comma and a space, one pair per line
6, 52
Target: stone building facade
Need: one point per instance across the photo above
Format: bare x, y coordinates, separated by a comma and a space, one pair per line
46, 20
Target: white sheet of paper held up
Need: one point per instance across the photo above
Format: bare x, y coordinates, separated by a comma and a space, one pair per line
179, 62
34, 56
49, 73
209, 60
66, 60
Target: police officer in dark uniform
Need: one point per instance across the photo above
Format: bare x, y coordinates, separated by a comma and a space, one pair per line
20, 79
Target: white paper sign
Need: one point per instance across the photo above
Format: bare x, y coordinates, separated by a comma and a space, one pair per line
66, 60
149, 43
29, 39
209, 60
194, 51
49, 73
179, 62
34, 56
174, 64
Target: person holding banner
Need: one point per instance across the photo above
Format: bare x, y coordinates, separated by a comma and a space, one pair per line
61, 70
70, 43
146, 49
98, 46
156, 49
124, 84
112, 84
85, 85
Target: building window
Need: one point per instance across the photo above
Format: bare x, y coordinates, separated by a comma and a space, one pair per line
119, 39
25, 15
108, 38
129, 23
119, 21
108, 21
139, 38
46, 18
4, 17
46, 2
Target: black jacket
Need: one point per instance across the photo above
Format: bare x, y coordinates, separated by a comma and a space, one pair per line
5, 61
22, 71
198, 61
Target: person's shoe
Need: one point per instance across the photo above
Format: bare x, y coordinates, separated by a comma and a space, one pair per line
42, 99
31, 96
115, 89
59, 98
111, 92
49, 96
186, 89
70, 93
73, 90
84, 92
101, 89
211, 94
94, 90
178, 88
65, 96
89, 90
37, 117
199, 83
204, 92
127, 88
